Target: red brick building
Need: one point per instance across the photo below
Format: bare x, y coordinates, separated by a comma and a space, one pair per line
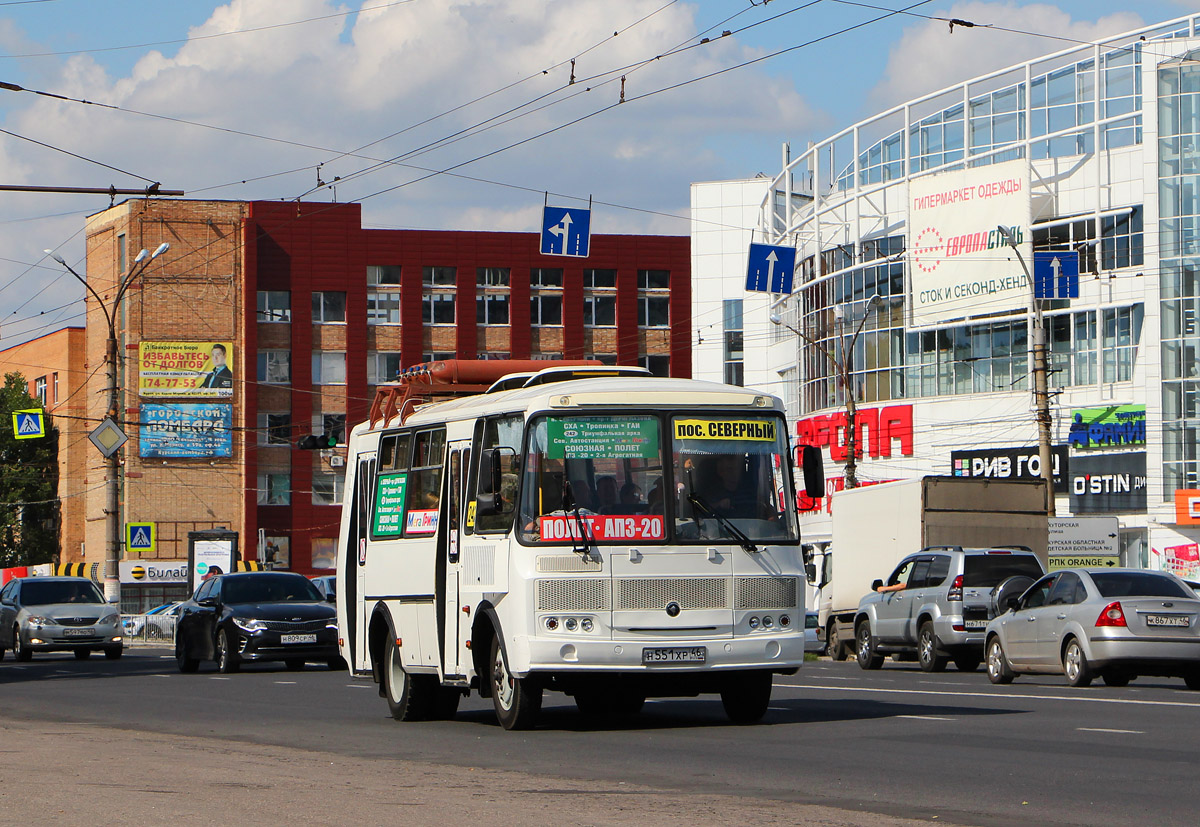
314, 311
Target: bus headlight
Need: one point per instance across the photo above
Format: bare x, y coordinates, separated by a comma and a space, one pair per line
753, 621
552, 623
586, 624
571, 624
767, 622
785, 621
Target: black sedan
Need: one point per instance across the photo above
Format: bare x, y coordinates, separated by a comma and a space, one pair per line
256, 616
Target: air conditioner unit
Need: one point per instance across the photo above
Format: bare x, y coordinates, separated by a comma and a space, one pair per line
336, 461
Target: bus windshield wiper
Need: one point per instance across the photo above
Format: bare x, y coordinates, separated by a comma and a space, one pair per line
701, 504
571, 505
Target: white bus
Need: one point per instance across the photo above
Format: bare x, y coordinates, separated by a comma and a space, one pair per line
591, 530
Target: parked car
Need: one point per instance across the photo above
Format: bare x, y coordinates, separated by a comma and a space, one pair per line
812, 641
327, 585
256, 616
58, 614
937, 604
1115, 623
156, 623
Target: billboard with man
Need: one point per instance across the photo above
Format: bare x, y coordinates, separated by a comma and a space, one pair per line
193, 369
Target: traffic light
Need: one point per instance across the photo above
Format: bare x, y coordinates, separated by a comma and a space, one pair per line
312, 442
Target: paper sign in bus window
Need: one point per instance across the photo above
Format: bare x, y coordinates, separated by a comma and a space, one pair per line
602, 438
389, 504
755, 430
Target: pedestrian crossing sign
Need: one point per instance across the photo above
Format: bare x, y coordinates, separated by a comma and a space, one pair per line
29, 424
140, 536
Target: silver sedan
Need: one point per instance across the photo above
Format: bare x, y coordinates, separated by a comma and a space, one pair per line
1112, 623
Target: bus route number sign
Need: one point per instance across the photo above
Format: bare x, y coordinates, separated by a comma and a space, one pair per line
601, 437
389, 504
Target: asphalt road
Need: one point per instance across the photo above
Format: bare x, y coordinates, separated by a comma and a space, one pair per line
948, 747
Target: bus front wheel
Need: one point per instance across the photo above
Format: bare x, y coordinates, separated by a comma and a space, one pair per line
746, 696
517, 700
409, 697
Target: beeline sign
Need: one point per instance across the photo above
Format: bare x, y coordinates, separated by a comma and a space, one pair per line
876, 428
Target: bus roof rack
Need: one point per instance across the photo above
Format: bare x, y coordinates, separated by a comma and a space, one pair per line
447, 378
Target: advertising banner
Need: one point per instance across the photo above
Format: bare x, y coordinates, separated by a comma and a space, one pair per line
195, 369
960, 264
1187, 506
152, 572
186, 429
1111, 427
1183, 561
1108, 484
1011, 464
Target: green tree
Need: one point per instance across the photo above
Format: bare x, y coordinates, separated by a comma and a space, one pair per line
29, 508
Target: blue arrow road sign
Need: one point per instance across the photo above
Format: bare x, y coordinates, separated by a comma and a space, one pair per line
770, 268
1056, 274
566, 231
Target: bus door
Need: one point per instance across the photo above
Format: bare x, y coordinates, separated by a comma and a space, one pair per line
355, 563
452, 622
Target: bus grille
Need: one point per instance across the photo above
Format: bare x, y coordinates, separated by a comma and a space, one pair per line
577, 594
766, 593
560, 563
688, 592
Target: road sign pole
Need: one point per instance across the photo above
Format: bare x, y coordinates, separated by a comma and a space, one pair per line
112, 568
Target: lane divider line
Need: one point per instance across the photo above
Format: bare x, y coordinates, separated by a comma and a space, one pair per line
988, 695
1114, 731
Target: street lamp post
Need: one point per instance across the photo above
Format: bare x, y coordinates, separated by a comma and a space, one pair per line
112, 577
1041, 394
843, 367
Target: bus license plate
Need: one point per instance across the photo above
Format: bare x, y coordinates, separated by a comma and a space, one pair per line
1168, 620
675, 654
297, 638
79, 632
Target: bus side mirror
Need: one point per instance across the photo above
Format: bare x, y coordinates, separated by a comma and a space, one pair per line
810, 572
813, 468
488, 501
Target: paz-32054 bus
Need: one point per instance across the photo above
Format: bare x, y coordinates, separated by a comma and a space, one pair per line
594, 531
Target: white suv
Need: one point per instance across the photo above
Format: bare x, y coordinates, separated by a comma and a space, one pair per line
937, 604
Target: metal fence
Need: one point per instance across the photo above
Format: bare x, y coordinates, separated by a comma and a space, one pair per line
153, 630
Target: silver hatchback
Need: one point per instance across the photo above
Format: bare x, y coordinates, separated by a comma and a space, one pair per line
58, 614
1115, 623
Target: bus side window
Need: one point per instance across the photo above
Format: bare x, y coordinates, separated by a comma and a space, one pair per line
503, 433
425, 482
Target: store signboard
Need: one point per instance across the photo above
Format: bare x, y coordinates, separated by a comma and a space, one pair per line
1114, 426
960, 264
1108, 484
1021, 463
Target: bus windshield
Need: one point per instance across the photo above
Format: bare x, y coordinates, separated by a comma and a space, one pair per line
607, 479
731, 477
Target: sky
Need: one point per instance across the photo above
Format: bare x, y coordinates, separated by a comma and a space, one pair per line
457, 114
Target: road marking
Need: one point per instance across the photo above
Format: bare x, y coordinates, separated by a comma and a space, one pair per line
160, 676
832, 678
945, 683
989, 695
1115, 731
923, 717
286, 683
360, 686
218, 678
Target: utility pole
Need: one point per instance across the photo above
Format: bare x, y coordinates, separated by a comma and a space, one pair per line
112, 576
1041, 393
843, 366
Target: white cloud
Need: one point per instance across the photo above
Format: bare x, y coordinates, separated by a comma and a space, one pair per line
929, 56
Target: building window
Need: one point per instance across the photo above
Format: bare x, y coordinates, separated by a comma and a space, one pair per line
599, 279
491, 276
56, 388
274, 429
274, 488
491, 308
436, 356
657, 364
275, 366
383, 307
439, 276
330, 423
329, 307
274, 306
654, 311
654, 279
545, 309
437, 308
327, 488
383, 275
39, 389
329, 367
324, 552
546, 277
734, 361
382, 366
1122, 327
599, 311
